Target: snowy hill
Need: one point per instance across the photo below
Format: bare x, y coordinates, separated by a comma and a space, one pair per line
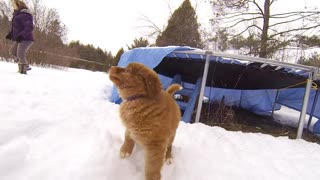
60, 125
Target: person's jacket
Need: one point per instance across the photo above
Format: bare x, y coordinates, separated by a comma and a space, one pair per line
22, 26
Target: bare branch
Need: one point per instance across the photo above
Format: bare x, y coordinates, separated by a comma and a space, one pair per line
289, 21
244, 20
296, 29
294, 13
239, 14
249, 27
235, 13
257, 5
155, 30
272, 1
168, 5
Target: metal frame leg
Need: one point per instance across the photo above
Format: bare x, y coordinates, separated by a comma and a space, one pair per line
304, 109
203, 85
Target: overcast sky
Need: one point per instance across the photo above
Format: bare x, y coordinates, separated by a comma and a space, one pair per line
112, 24
115, 24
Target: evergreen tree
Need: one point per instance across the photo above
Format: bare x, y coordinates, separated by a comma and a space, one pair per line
307, 41
182, 29
313, 60
141, 42
117, 57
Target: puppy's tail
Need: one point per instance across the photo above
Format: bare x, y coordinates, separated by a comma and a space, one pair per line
173, 88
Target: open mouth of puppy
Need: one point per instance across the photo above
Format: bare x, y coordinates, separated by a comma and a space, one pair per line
122, 77
114, 76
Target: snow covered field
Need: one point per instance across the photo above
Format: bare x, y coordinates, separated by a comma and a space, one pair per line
60, 125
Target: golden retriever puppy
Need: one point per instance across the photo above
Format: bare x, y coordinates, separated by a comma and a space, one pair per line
149, 114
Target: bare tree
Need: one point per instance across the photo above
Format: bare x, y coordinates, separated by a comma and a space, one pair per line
5, 24
5, 8
49, 32
47, 20
152, 29
274, 30
5, 15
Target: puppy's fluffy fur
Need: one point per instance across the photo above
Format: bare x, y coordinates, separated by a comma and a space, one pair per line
149, 114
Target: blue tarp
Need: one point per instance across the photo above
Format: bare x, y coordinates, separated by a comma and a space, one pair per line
293, 98
257, 101
150, 56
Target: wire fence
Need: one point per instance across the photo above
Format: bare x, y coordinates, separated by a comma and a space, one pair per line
45, 58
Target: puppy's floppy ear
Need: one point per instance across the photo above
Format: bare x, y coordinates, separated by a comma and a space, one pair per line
151, 81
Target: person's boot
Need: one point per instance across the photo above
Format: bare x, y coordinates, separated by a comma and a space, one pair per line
28, 68
23, 68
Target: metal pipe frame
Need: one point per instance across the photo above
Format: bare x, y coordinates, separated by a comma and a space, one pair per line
314, 104
314, 70
203, 85
275, 102
304, 109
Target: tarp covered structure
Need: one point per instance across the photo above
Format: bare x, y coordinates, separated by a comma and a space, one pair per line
255, 84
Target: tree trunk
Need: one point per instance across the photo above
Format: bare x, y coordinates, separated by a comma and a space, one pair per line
264, 38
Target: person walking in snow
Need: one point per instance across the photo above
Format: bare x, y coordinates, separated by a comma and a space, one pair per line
21, 34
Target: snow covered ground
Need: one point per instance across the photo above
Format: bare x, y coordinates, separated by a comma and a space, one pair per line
60, 125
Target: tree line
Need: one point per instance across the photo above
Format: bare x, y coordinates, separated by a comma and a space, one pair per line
50, 33
50, 48
245, 25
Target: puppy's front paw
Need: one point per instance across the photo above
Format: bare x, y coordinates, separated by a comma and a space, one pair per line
169, 161
124, 154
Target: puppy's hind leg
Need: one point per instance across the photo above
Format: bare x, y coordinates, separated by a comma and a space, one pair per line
127, 146
168, 158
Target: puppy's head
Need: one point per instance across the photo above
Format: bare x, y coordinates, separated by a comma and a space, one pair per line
135, 79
